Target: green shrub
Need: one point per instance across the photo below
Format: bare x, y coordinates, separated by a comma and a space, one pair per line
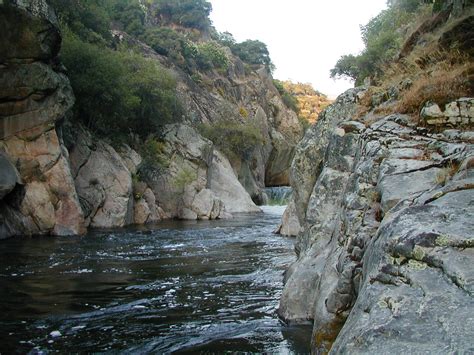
243, 112
253, 52
131, 14
211, 55
196, 77
185, 177
382, 37
304, 123
164, 41
288, 99
153, 154
90, 20
225, 38
279, 86
234, 139
138, 187
186, 13
118, 91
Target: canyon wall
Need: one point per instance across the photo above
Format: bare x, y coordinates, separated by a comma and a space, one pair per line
59, 178
383, 209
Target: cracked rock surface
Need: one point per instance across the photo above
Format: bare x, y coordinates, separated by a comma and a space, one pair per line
34, 96
385, 253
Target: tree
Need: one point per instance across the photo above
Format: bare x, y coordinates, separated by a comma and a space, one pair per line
90, 20
131, 15
186, 13
253, 52
382, 37
226, 39
407, 5
347, 66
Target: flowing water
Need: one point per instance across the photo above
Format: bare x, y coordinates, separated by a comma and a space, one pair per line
279, 195
182, 287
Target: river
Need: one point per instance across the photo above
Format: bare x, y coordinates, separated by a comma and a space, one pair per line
181, 287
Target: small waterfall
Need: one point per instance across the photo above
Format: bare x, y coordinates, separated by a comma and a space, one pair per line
279, 195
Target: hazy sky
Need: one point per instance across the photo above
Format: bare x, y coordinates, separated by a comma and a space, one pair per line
305, 37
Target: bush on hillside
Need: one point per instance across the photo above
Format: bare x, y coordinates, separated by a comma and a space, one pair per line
153, 154
118, 91
164, 41
89, 20
234, 139
253, 52
382, 37
211, 55
186, 13
288, 99
131, 14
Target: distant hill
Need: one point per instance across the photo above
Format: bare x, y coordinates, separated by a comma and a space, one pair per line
310, 101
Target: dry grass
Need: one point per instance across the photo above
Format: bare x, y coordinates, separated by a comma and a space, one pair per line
425, 72
434, 75
365, 102
441, 86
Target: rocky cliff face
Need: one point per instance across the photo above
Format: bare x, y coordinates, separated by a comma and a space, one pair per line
243, 94
35, 96
198, 181
57, 178
386, 212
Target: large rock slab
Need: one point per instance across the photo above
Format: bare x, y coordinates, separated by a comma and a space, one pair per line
417, 292
225, 185
198, 181
43, 166
188, 158
290, 224
29, 31
34, 95
103, 183
309, 157
277, 172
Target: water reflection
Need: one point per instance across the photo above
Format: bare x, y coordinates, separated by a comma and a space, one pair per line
173, 287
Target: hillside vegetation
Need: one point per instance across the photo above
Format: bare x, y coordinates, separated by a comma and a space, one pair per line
415, 52
121, 92
310, 102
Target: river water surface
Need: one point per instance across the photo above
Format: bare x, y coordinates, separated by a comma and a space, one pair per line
181, 287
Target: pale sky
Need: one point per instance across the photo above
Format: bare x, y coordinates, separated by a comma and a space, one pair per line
305, 38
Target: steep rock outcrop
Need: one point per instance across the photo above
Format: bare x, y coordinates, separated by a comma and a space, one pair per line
225, 185
35, 94
103, 182
241, 94
104, 179
46, 190
386, 245
198, 182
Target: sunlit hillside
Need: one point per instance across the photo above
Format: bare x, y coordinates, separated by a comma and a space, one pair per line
310, 101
